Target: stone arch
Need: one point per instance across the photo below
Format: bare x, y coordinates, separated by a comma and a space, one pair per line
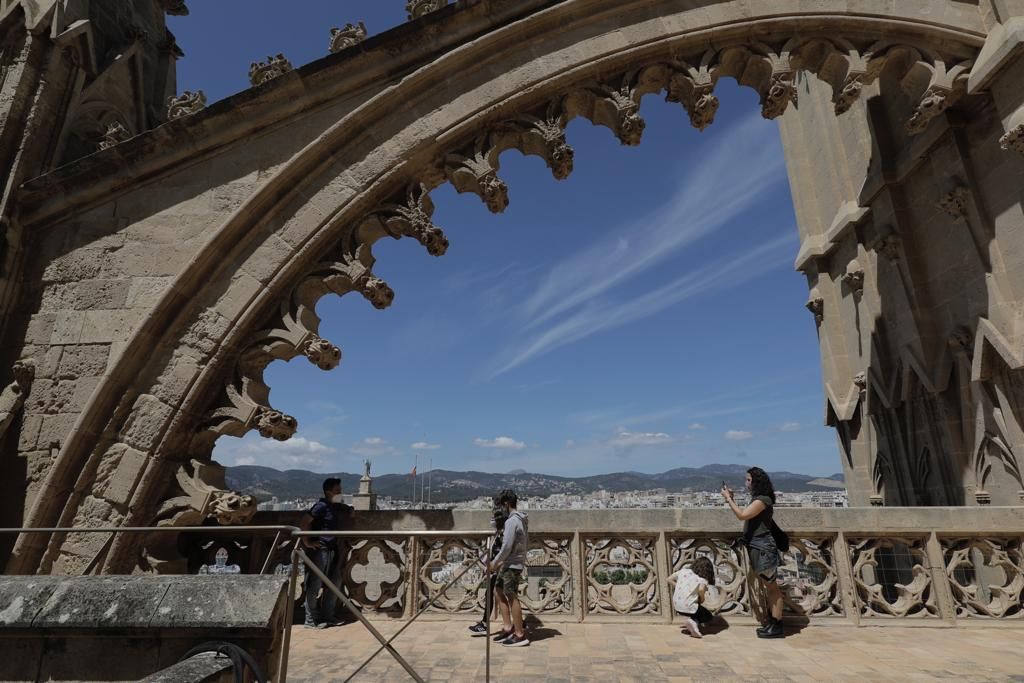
250, 296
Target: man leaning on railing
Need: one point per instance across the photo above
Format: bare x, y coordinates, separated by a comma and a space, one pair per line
327, 514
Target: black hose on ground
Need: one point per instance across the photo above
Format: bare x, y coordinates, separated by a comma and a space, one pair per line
240, 659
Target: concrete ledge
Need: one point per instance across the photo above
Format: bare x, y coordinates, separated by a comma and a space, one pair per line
124, 628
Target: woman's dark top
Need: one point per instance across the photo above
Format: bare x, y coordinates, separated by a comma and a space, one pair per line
760, 525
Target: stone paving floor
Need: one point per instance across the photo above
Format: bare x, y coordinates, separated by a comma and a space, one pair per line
630, 651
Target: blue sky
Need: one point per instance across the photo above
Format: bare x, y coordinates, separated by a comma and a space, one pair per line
642, 315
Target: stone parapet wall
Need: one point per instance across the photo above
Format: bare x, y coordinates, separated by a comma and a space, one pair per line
854, 566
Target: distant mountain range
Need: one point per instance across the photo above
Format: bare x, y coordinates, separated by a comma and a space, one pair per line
450, 487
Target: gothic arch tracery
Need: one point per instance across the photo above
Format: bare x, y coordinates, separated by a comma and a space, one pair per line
282, 322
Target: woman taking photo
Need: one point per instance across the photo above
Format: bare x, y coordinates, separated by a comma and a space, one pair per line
757, 536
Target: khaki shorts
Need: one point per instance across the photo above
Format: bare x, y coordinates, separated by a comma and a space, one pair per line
508, 580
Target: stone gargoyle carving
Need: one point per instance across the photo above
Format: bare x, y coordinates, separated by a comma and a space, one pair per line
199, 494
12, 398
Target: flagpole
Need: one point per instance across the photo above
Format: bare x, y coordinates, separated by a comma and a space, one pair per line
414, 464
430, 480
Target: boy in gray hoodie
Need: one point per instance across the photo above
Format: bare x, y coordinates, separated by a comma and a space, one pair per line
509, 562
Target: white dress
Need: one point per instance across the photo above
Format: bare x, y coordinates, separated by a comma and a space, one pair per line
684, 599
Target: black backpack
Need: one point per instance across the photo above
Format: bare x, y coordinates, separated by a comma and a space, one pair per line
780, 537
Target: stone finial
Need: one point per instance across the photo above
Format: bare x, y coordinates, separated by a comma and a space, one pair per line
186, 103
321, 353
175, 8
261, 72
1013, 140
955, 203
417, 8
342, 38
115, 135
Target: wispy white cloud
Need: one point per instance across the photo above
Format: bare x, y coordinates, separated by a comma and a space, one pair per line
731, 270
790, 427
501, 442
738, 435
424, 446
697, 425
624, 439
373, 446
753, 166
296, 452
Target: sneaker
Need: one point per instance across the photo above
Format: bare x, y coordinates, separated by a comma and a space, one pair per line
774, 630
478, 629
309, 624
515, 641
502, 635
766, 626
692, 627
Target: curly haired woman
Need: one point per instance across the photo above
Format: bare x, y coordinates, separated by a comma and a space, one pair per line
764, 554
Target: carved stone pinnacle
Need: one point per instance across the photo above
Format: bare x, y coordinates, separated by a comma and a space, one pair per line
1013, 140
186, 103
342, 38
261, 72
115, 135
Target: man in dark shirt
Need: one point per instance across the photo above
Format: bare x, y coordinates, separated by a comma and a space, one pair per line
327, 514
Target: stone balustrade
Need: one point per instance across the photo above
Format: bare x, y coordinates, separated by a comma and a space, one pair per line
850, 566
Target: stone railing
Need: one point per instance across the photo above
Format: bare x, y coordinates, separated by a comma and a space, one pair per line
853, 566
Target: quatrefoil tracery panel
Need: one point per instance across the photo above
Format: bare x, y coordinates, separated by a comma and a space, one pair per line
986, 576
444, 561
635, 591
375, 572
730, 594
892, 578
810, 584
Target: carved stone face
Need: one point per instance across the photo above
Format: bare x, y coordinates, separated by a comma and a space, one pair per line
322, 353
849, 94
24, 372
860, 380
816, 305
854, 280
933, 102
495, 193
377, 292
273, 424
780, 93
435, 241
631, 129
230, 507
561, 160
702, 113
